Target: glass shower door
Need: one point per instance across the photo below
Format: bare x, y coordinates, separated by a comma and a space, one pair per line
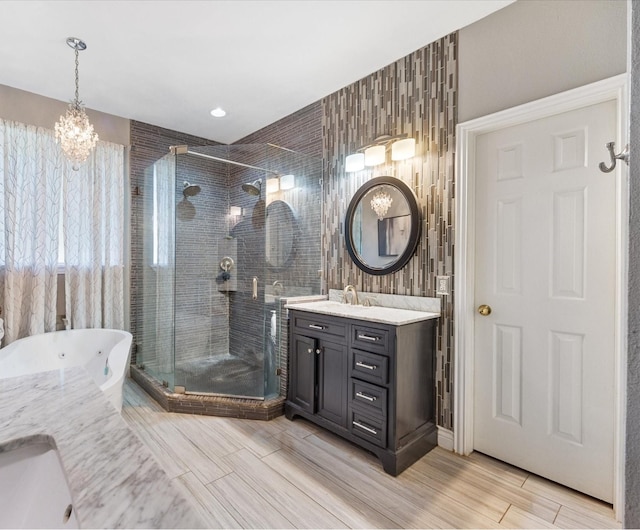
219, 295
155, 324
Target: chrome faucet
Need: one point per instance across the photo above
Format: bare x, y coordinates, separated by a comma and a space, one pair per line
354, 295
277, 287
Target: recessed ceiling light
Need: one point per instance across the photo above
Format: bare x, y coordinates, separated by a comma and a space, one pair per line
218, 112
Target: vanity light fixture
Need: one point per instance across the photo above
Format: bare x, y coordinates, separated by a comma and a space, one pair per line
74, 133
273, 185
403, 149
287, 182
375, 153
354, 163
380, 203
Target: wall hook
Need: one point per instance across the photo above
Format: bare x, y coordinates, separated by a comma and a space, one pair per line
624, 155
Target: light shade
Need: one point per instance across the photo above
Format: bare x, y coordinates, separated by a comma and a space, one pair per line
235, 210
354, 163
403, 149
273, 185
374, 155
287, 182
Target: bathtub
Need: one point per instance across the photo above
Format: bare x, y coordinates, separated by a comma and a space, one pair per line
95, 349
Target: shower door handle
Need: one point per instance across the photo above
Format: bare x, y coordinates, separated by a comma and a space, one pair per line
255, 287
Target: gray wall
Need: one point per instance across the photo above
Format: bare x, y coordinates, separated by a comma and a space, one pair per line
632, 487
532, 49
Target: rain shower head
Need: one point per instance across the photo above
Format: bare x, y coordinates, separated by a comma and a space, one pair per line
253, 188
189, 190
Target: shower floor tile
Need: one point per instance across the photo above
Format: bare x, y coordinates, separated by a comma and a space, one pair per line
224, 374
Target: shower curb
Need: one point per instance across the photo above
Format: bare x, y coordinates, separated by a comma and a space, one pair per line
228, 407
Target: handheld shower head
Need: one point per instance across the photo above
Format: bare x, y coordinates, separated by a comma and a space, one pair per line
189, 190
253, 188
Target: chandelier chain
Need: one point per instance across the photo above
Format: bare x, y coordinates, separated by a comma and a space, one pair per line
77, 101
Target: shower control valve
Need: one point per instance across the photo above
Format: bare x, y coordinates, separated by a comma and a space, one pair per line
226, 263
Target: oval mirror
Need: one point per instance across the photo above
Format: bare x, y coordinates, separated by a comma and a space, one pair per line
382, 225
281, 229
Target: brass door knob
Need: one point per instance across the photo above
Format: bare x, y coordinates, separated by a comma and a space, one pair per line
484, 310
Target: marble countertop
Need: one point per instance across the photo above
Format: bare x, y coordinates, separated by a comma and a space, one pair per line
383, 315
114, 481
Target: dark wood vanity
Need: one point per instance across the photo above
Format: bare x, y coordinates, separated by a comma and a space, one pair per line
369, 382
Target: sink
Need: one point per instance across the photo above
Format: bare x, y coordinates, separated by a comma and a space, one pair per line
34, 492
385, 315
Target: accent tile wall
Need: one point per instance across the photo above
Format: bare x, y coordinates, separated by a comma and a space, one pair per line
415, 95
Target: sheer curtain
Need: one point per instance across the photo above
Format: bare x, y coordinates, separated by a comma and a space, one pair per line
93, 226
30, 177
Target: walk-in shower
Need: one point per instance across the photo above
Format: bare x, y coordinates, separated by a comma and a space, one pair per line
217, 266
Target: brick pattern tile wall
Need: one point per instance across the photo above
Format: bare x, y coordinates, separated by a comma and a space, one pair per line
148, 144
415, 95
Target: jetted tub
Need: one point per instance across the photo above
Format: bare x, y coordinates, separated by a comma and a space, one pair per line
104, 353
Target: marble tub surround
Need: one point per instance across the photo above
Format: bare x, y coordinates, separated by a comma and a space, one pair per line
398, 301
114, 480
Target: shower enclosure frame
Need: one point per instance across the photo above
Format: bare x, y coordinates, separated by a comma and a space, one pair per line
170, 392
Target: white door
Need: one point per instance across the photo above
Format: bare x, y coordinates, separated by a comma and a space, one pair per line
545, 265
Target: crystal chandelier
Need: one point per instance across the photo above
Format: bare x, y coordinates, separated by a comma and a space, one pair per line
73, 130
380, 203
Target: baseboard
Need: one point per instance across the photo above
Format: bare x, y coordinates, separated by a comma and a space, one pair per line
445, 438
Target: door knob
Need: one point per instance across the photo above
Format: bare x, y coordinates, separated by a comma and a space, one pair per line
484, 310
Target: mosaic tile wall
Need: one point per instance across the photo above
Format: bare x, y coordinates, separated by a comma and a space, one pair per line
415, 95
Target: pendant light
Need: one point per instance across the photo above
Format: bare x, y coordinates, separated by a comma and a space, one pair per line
73, 130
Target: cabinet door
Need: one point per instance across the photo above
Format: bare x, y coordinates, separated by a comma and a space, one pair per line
332, 382
302, 383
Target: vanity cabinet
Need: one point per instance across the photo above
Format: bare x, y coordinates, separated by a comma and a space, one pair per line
371, 383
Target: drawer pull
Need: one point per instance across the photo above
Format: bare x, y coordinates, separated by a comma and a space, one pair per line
366, 396
315, 326
368, 337
367, 366
365, 428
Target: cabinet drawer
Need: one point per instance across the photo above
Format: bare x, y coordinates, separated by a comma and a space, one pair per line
308, 323
369, 366
368, 338
368, 428
369, 398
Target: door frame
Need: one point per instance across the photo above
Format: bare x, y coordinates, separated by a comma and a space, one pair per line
614, 88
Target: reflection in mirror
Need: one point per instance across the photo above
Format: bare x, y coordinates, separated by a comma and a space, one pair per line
380, 238
281, 227
382, 225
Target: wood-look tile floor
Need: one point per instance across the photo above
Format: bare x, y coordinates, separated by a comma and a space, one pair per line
284, 474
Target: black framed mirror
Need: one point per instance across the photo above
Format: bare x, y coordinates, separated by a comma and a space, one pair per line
281, 230
382, 225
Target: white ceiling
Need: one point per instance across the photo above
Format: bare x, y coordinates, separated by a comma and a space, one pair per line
169, 63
